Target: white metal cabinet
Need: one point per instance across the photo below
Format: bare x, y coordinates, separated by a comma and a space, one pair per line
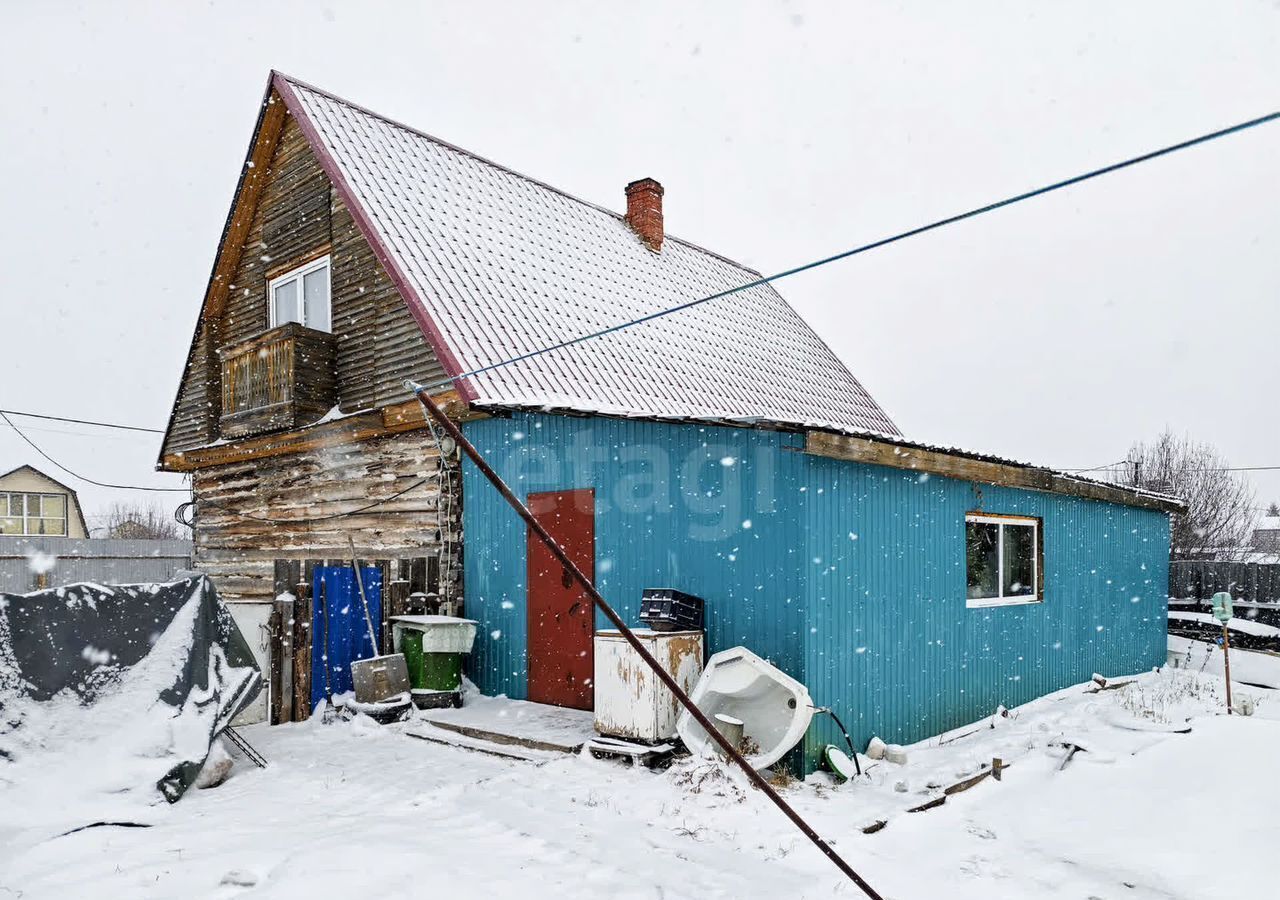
630, 701
253, 618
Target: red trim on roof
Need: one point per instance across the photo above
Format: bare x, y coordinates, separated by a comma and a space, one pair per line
428, 326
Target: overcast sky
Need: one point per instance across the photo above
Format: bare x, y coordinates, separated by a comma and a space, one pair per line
1058, 331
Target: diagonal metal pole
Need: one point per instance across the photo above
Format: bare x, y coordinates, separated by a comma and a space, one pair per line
698, 715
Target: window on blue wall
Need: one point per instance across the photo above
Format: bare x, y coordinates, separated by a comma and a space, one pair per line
1002, 558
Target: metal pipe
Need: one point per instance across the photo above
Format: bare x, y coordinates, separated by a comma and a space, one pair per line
1226, 662
732, 752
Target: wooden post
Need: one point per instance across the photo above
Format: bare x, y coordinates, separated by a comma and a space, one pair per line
302, 644
997, 767
282, 661
285, 583
1226, 662
274, 691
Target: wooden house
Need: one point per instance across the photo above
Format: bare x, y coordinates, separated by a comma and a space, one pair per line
724, 451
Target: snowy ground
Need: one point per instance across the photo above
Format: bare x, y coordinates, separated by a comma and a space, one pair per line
353, 809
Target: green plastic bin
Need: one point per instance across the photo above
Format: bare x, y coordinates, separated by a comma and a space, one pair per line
433, 647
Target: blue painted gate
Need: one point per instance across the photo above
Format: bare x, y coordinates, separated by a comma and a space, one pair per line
340, 636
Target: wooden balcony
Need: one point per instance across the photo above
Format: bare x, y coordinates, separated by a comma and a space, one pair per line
277, 380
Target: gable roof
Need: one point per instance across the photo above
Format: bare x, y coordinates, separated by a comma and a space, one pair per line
71, 492
494, 264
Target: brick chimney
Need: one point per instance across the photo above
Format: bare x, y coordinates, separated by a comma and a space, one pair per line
644, 211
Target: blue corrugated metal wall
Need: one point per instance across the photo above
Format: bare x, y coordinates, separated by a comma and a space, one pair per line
890, 641
849, 577
703, 509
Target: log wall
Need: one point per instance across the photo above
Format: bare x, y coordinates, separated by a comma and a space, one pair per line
299, 217
296, 492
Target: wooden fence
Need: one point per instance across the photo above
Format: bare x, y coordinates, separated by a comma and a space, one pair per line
1244, 581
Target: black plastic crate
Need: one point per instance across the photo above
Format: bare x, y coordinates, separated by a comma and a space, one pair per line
666, 609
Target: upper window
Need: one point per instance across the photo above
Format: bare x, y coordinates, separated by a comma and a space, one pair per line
1002, 556
33, 513
302, 296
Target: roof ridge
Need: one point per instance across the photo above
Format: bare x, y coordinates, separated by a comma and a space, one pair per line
298, 82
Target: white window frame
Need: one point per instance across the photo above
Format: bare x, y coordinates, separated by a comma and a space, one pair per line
321, 262
26, 516
1000, 599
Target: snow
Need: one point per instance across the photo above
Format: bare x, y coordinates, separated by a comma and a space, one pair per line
1251, 667
41, 563
433, 620
356, 809
754, 358
554, 725
119, 746
1246, 626
353, 808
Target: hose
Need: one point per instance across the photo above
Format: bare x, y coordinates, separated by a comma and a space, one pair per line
853, 754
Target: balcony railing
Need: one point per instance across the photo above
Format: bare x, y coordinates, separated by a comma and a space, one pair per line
279, 379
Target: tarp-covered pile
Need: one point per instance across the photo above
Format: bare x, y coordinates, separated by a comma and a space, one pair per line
110, 694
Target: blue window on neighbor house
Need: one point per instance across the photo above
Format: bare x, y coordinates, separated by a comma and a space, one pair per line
1002, 558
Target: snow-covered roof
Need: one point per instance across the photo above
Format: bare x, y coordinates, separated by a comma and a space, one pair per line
495, 264
1267, 523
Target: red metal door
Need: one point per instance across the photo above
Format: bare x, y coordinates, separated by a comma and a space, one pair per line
561, 618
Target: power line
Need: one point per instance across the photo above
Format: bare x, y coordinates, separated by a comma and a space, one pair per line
31, 415
119, 487
949, 220
1118, 462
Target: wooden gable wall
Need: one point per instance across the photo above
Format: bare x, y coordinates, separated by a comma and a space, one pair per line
298, 216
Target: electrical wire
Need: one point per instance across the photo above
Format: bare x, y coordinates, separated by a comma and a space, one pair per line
903, 235
31, 415
118, 487
1118, 462
757, 282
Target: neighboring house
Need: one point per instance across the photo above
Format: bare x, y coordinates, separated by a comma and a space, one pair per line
724, 451
44, 541
32, 503
1266, 535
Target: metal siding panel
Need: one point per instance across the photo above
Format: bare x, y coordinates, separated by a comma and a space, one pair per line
102, 561
874, 555
749, 576
892, 646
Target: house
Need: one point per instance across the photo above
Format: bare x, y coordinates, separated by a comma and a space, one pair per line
32, 503
724, 451
1266, 535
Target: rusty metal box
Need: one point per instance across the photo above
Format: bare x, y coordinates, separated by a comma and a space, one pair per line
630, 701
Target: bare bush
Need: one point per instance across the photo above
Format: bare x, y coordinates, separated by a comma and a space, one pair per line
1219, 513
141, 521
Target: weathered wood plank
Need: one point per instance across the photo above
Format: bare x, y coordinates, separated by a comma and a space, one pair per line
302, 638
357, 427
301, 495
967, 468
274, 677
